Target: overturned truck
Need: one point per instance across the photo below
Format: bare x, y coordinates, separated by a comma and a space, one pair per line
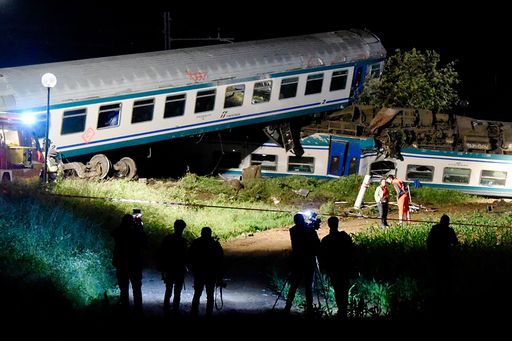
397, 128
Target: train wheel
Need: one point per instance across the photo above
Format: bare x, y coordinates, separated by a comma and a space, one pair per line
125, 168
100, 166
73, 169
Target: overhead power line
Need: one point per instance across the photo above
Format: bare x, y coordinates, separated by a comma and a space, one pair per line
187, 204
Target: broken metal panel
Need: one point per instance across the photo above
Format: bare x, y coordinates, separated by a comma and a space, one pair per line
409, 118
440, 118
273, 133
470, 126
476, 143
506, 144
383, 117
426, 118
474, 134
286, 136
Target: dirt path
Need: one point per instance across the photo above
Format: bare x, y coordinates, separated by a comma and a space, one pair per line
278, 240
250, 260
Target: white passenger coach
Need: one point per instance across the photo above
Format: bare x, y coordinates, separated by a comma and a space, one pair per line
329, 156
103, 104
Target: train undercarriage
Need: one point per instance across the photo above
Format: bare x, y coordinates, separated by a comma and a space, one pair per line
97, 168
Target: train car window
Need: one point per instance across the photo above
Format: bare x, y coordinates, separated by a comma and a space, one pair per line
380, 169
289, 87
335, 163
262, 91
353, 166
267, 161
493, 178
456, 175
143, 110
314, 84
175, 105
73, 121
109, 115
420, 172
338, 80
205, 100
375, 71
301, 164
234, 96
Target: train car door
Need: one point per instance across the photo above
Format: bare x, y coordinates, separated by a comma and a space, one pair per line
337, 158
344, 158
358, 80
353, 157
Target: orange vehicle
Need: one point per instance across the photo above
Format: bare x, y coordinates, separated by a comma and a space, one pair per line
21, 159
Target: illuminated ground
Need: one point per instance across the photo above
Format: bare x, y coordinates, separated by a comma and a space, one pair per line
250, 260
239, 296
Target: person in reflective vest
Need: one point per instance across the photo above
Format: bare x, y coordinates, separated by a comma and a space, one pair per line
402, 198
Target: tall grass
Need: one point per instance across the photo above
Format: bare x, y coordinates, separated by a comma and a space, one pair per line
273, 193
44, 241
395, 273
482, 274
435, 196
162, 209
320, 191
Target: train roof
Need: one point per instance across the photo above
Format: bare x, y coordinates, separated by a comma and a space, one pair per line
21, 89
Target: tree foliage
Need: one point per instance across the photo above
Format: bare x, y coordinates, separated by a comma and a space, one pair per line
414, 79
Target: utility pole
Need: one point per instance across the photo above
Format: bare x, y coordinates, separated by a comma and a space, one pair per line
168, 39
167, 30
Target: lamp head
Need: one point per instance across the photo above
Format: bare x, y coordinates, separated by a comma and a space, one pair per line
49, 80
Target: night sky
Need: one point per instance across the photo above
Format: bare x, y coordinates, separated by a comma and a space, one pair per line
476, 37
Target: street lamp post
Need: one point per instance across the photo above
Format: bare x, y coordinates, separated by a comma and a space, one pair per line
49, 81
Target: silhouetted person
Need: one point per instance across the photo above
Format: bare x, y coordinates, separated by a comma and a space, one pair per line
206, 261
130, 239
440, 242
172, 261
305, 247
382, 198
337, 261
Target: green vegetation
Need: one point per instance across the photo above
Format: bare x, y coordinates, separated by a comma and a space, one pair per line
414, 79
433, 196
64, 242
42, 242
395, 275
170, 200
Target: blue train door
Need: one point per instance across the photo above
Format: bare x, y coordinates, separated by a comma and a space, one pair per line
344, 158
358, 80
337, 158
353, 156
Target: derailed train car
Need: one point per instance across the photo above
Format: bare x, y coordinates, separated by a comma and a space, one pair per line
110, 108
436, 150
